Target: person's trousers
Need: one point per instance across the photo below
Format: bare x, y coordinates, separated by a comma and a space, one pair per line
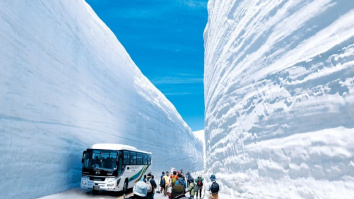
150, 196
165, 190
213, 196
200, 192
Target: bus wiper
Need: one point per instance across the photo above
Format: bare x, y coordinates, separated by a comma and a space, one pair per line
103, 169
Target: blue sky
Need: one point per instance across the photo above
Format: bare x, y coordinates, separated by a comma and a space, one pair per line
165, 40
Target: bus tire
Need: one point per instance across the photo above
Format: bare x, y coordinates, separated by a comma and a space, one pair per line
125, 187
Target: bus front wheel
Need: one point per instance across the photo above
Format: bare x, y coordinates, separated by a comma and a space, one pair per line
125, 188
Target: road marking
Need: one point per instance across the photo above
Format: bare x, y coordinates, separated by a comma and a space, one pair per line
128, 195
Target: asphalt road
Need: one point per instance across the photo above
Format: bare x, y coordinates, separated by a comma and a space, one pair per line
80, 194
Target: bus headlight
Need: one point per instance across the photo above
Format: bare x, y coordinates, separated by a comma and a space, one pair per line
84, 180
110, 185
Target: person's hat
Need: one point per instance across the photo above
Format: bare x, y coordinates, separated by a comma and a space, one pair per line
149, 174
140, 189
177, 190
212, 177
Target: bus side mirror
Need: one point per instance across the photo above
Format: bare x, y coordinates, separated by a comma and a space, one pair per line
82, 160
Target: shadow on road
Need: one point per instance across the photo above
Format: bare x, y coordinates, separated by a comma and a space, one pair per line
81, 194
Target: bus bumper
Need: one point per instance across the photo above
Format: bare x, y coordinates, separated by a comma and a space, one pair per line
110, 184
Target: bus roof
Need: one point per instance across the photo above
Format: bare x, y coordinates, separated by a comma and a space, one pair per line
108, 146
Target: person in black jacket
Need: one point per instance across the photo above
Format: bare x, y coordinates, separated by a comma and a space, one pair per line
153, 184
162, 183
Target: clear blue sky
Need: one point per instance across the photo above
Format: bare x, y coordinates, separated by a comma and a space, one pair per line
165, 40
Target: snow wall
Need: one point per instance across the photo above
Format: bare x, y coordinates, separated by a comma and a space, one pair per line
66, 83
279, 97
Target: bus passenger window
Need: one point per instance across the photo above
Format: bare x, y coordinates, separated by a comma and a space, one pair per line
149, 159
133, 158
139, 158
145, 158
126, 158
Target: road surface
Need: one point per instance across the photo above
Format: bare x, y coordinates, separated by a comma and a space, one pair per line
80, 194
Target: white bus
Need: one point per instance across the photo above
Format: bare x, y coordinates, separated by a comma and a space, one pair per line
113, 167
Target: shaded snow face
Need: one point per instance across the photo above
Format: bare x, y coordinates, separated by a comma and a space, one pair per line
67, 83
279, 95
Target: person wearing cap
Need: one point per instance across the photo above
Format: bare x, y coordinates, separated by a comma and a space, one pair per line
177, 193
213, 188
139, 190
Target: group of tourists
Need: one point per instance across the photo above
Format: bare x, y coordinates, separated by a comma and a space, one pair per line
175, 186
145, 189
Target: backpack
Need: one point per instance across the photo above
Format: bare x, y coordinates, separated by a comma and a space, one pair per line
149, 186
181, 182
200, 182
214, 188
174, 178
162, 182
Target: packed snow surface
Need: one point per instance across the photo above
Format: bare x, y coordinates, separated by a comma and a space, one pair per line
279, 97
66, 83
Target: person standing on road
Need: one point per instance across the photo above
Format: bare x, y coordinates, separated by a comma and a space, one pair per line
191, 188
174, 178
188, 176
167, 183
150, 195
162, 182
213, 188
199, 182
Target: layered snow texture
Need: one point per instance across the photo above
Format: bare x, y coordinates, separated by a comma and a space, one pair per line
279, 94
66, 83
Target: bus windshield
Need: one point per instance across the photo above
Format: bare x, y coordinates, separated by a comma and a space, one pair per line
100, 159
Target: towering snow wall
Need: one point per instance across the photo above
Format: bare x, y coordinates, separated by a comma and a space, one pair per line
67, 83
279, 92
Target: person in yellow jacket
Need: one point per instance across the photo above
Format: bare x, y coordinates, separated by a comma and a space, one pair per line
167, 183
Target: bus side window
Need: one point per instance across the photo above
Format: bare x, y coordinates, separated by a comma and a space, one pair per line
120, 162
145, 159
126, 158
133, 158
149, 159
139, 158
